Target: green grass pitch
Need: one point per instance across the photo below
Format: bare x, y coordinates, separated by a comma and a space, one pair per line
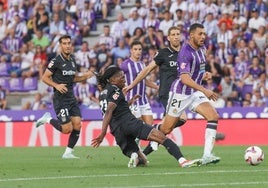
106, 167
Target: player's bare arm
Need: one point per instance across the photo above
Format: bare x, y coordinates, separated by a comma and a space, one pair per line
105, 123
86, 75
141, 76
187, 80
46, 78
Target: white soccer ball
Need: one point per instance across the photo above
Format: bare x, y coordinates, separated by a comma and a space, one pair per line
254, 155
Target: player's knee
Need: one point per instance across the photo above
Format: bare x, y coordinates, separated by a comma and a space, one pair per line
166, 130
66, 129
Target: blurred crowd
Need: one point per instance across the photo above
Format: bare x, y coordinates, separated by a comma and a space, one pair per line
237, 42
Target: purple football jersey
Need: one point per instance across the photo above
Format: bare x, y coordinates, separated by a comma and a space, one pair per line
192, 62
131, 70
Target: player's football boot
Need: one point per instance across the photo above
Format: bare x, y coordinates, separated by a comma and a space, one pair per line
69, 156
43, 119
134, 160
212, 159
191, 163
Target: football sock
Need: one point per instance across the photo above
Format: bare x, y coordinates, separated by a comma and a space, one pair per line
173, 149
73, 138
210, 135
148, 149
181, 122
56, 124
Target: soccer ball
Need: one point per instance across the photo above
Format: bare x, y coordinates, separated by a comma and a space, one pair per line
254, 155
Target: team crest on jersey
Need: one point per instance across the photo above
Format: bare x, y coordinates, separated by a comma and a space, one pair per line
51, 63
183, 65
115, 96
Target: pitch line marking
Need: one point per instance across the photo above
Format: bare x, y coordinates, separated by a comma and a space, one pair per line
127, 175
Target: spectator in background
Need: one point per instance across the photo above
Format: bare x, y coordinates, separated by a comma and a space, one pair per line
229, 89
28, 66
71, 8
3, 29
122, 50
151, 20
179, 4
106, 37
260, 37
11, 44
3, 100
166, 23
40, 39
40, 59
255, 20
100, 8
41, 19
119, 28
103, 57
86, 95
225, 35
194, 6
137, 35
37, 104
253, 50
134, 21
140, 9
210, 7
56, 29
222, 53
86, 18
72, 29
150, 39
85, 57
20, 27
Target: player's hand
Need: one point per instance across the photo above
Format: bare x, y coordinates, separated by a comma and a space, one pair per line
97, 141
89, 74
211, 95
126, 89
61, 88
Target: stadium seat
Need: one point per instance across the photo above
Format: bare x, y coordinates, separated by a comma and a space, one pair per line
4, 82
15, 84
30, 84
3, 69
247, 88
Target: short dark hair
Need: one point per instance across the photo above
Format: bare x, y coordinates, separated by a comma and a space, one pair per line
64, 37
194, 26
135, 42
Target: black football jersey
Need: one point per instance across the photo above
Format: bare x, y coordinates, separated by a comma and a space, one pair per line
166, 59
63, 70
122, 113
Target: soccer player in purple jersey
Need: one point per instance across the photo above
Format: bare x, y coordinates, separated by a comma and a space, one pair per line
132, 67
186, 91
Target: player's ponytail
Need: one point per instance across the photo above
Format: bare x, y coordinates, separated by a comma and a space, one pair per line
109, 72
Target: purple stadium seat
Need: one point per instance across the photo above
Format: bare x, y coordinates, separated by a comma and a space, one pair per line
4, 82
3, 69
30, 84
15, 84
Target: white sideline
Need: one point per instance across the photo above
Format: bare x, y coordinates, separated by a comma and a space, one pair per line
152, 174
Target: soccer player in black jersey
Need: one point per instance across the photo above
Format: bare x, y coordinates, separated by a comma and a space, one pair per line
125, 126
166, 60
61, 74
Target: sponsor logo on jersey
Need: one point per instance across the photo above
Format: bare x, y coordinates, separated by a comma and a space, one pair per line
68, 73
183, 65
50, 65
115, 96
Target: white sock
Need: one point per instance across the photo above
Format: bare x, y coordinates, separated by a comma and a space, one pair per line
181, 160
68, 150
48, 119
210, 135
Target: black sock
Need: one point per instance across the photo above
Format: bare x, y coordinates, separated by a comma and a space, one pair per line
181, 122
172, 148
56, 124
148, 149
73, 138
